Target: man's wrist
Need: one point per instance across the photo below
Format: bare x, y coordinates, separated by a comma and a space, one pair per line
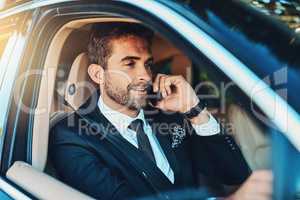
187, 107
201, 118
197, 113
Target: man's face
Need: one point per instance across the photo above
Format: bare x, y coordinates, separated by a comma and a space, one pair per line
128, 72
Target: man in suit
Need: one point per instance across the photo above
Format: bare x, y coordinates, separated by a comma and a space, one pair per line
119, 147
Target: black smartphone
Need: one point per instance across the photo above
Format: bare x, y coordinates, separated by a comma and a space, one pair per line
153, 97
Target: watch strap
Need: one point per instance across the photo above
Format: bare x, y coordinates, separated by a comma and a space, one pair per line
194, 111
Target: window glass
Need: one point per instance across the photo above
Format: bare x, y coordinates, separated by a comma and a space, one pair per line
12, 41
8, 28
4, 38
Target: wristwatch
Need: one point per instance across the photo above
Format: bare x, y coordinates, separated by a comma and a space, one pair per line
194, 111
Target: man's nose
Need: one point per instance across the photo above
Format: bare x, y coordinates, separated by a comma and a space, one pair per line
144, 74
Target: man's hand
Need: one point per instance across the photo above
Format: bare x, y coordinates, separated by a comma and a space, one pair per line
258, 186
178, 95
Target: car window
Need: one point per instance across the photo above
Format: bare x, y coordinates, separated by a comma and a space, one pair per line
4, 39
7, 41
13, 32
8, 35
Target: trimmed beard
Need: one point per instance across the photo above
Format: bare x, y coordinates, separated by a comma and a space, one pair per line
124, 96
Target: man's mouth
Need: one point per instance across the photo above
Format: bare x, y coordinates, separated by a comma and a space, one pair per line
140, 89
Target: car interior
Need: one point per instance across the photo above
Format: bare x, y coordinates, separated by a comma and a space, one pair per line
65, 68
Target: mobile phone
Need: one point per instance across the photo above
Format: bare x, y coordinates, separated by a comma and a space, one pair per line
153, 97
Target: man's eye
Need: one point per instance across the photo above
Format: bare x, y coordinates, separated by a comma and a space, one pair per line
130, 64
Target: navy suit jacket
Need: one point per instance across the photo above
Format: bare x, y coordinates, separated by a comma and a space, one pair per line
90, 155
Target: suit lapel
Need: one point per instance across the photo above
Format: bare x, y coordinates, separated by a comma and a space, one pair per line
126, 150
165, 142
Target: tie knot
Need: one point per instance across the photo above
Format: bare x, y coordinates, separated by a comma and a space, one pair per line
136, 125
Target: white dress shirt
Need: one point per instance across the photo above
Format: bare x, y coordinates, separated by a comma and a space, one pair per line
122, 121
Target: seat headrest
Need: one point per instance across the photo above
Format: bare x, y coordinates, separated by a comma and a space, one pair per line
79, 87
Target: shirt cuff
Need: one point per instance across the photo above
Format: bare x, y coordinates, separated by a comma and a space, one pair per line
212, 127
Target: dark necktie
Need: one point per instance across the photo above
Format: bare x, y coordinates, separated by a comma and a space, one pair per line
142, 138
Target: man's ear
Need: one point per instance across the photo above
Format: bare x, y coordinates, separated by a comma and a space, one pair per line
96, 73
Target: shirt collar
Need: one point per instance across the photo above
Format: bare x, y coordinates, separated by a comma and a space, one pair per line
118, 119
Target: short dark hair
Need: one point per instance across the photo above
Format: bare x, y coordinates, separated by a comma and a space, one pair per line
99, 47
